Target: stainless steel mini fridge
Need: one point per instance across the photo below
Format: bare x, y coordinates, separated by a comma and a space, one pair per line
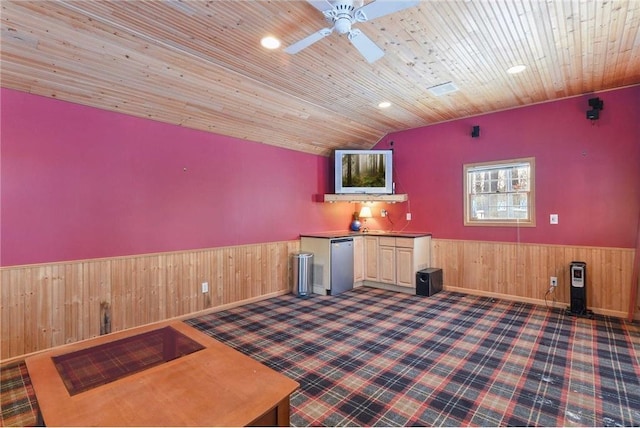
341, 265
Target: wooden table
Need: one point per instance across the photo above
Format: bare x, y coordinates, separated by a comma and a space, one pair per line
215, 386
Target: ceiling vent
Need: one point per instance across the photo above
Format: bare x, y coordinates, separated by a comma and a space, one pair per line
443, 89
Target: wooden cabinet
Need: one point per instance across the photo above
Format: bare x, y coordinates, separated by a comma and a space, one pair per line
358, 260
378, 261
396, 260
371, 258
387, 255
406, 267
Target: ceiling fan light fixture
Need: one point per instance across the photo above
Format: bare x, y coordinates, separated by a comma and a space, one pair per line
343, 25
270, 42
517, 69
343, 14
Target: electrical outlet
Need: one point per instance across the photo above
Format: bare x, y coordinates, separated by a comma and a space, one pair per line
553, 281
383, 213
205, 287
408, 216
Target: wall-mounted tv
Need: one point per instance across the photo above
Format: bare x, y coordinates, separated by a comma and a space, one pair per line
364, 171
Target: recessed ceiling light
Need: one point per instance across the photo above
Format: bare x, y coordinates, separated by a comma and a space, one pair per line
517, 69
270, 42
384, 104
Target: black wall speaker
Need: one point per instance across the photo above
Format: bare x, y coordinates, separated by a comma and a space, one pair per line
596, 105
475, 131
593, 114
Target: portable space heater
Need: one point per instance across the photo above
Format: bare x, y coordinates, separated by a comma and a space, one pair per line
578, 281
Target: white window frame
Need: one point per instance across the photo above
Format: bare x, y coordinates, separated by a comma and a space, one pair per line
509, 197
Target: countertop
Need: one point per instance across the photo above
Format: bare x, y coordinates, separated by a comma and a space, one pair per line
346, 234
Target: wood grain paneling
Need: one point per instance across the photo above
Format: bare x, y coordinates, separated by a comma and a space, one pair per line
521, 271
47, 305
199, 64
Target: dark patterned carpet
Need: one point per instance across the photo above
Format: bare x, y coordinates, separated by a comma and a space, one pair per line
377, 358
18, 405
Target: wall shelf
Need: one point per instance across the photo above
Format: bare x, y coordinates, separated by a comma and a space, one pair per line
359, 197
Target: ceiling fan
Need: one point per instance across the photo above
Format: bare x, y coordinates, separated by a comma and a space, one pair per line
343, 14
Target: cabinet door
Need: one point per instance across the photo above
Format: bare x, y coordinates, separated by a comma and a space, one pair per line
388, 264
370, 258
405, 271
358, 259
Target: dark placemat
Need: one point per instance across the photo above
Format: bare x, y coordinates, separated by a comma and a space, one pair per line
87, 368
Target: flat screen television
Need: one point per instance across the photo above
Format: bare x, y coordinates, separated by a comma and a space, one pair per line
364, 171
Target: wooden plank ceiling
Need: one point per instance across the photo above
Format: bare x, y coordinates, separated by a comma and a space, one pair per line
199, 64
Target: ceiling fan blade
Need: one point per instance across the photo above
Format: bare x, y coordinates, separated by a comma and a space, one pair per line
308, 41
321, 5
369, 50
379, 8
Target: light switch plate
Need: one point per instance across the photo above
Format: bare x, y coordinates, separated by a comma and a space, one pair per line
553, 219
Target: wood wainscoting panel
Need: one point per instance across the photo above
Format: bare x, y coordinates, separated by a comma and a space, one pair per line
97, 283
47, 305
521, 271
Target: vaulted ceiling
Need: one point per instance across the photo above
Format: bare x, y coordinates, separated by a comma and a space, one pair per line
199, 64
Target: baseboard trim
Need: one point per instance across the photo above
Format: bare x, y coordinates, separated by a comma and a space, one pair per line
232, 305
390, 287
557, 305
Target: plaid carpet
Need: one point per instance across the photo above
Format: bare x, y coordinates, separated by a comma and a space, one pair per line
376, 358
18, 403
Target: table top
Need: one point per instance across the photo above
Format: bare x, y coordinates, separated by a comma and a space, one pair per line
215, 386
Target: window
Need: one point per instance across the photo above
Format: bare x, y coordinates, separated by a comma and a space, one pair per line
500, 193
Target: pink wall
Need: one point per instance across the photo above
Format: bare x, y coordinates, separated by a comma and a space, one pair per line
589, 174
80, 183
